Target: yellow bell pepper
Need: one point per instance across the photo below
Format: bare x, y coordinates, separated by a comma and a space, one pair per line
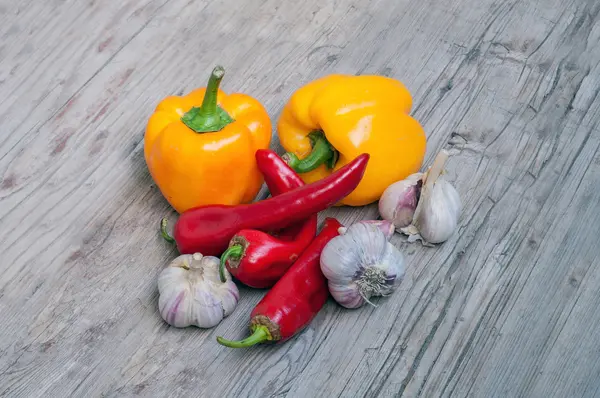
200, 148
330, 121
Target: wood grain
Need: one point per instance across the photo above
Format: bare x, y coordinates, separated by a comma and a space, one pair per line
508, 307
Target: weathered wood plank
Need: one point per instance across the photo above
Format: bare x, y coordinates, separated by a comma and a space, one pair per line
50, 50
499, 310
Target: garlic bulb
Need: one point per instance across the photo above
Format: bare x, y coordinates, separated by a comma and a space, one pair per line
361, 263
437, 213
399, 201
191, 293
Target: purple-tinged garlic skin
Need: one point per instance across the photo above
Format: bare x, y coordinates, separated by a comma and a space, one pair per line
385, 226
348, 297
360, 264
191, 292
398, 202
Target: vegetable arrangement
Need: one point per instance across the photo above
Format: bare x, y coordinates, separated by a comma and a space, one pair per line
349, 140
208, 229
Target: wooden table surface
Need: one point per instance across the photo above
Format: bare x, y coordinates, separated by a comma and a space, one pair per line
508, 307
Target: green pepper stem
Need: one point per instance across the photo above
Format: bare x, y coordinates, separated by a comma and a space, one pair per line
259, 335
209, 102
235, 252
322, 152
208, 117
163, 231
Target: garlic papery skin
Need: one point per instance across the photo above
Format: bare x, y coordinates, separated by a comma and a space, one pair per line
361, 263
191, 292
399, 201
439, 218
385, 226
438, 211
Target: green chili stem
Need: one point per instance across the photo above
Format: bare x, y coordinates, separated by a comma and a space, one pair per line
234, 252
259, 335
163, 231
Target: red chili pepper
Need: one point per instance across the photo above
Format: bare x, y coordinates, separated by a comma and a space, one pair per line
256, 258
295, 299
208, 229
280, 178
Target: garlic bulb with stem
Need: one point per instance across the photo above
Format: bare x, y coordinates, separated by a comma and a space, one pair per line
191, 292
438, 209
361, 263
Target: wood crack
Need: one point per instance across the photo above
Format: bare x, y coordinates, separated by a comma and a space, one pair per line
426, 343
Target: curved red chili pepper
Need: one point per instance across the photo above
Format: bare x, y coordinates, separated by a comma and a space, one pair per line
208, 229
256, 258
295, 299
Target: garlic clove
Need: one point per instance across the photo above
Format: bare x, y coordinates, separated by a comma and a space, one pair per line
399, 201
205, 310
230, 296
394, 265
439, 218
335, 257
172, 300
371, 243
347, 295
